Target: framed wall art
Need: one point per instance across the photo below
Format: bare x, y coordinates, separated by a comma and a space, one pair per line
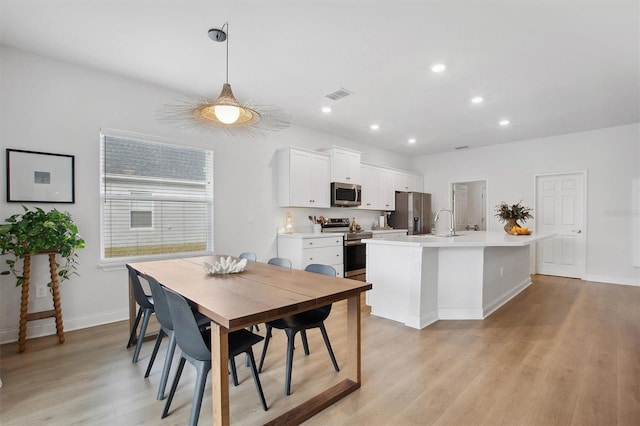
40, 177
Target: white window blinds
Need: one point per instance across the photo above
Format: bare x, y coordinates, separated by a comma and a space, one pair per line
157, 198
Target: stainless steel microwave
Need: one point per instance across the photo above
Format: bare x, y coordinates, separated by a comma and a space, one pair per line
345, 194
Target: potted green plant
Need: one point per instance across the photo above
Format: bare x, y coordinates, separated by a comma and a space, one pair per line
37, 231
511, 214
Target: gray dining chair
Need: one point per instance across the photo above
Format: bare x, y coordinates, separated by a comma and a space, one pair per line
249, 256
280, 261
145, 310
195, 346
166, 328
301, 322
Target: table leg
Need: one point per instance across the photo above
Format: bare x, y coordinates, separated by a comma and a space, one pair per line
313, 406
220, 374
354, 338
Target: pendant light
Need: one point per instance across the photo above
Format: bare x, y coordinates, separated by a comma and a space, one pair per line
224, 112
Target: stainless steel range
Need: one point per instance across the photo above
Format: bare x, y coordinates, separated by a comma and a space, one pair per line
355, 251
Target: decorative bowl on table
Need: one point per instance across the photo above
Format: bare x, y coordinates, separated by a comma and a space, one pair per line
226, 265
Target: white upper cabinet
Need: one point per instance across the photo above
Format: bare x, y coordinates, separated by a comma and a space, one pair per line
369, 184
386, 190
345, 165
378, 188
303, 178
408, 182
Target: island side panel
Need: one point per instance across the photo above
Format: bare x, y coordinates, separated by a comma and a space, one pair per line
460, 274
506, 273
428, 297
394, 272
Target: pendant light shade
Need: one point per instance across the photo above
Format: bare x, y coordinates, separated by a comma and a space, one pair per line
224, 113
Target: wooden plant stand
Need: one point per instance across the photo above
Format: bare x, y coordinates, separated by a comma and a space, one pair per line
56, 312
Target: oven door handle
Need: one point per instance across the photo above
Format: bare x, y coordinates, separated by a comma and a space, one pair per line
353, 243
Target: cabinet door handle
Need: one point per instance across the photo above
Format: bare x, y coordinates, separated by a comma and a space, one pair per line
577, 231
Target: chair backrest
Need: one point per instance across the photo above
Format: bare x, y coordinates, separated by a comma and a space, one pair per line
185, 327
280, 261
160, 302
321, 269
249, 256
138, 291
325, 270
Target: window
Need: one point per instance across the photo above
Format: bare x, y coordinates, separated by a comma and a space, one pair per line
156, 198
141, 212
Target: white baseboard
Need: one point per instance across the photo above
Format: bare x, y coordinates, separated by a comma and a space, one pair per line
504, 298
423, 321
47, 326
460, 314
607, 279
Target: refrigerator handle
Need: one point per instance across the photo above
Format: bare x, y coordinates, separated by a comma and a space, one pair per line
416, 225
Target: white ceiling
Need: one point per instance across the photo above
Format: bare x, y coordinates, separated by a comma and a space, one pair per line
549, 66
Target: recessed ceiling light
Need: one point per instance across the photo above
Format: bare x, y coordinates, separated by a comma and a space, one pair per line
412, 140
326, 110
438, 67
375, 127
477, 100
504, 122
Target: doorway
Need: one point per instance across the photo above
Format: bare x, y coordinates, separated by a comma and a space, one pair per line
561, 209
469, 205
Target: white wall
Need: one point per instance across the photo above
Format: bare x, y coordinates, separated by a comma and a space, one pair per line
610, 158
52, 106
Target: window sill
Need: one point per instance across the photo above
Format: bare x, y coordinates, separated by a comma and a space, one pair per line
119, 264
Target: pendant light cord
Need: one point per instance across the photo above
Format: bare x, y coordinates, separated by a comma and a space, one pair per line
226, 24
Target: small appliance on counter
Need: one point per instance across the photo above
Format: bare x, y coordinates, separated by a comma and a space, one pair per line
413, 212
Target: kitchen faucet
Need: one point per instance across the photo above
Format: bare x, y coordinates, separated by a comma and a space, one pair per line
452, 229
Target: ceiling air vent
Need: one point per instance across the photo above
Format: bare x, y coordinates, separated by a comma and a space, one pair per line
339, 94
462, 147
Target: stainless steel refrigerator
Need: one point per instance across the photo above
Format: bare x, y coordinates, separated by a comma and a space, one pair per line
413, 212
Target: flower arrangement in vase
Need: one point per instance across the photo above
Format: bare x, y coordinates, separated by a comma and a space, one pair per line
513, 213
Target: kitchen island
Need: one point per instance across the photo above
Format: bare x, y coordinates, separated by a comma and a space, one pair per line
419, 279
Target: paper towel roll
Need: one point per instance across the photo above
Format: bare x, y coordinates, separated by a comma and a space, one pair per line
382, 221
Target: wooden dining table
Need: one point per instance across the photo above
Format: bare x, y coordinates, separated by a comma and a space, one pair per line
261, 293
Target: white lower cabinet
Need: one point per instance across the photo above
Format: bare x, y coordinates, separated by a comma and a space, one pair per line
305, 249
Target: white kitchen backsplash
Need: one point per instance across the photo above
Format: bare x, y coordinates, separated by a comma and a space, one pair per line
301, 223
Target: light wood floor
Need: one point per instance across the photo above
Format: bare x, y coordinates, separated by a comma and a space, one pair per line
563, 352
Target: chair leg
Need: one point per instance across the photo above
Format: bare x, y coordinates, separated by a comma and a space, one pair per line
256, 379
201, 380
167, 366
143, 329
305, 342
326, 342
291, 334
154, 353
146, 314
174, 386
132, 336
234, 372
267, 337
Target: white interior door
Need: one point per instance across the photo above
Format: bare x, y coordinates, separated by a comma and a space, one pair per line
460, 205
560, 208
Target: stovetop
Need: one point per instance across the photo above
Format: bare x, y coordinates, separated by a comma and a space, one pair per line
341, 225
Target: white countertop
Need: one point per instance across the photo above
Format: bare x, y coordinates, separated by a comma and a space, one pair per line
465, 239
387, 231
310, 235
